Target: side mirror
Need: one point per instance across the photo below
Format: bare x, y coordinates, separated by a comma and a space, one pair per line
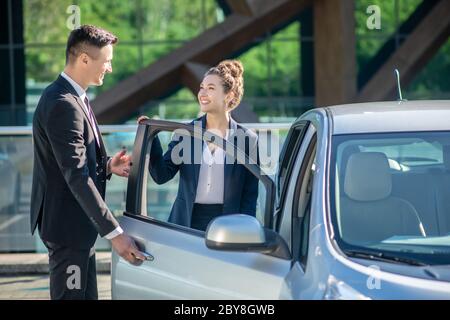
242, 232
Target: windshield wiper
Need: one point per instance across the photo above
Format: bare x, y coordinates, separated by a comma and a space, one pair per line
382, 256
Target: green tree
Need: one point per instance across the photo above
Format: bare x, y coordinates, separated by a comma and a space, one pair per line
149, 29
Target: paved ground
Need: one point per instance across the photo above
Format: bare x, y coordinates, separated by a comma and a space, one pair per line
25, 276
37, 263
36, 287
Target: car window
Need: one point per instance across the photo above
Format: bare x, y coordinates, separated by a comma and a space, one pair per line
287, 159
299, 142
163, 196
301, 212
406, 155
390, 193
160, 198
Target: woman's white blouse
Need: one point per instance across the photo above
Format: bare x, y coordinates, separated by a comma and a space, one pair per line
211, 177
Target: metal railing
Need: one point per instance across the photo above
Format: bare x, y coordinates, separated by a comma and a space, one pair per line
16, 165
105, 129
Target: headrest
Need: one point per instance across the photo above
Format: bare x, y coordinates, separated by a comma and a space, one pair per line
367, 177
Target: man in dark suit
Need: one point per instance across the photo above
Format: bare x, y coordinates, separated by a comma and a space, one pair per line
71, 168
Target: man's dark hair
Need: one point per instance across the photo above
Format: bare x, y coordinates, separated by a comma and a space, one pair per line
87, 35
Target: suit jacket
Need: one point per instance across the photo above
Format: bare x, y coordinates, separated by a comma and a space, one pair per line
69, 175
240, 189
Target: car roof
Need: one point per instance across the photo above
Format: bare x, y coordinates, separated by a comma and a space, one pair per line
390, 116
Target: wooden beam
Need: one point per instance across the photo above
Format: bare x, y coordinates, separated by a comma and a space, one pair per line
246, 7
411, 56
192, 75
334, 52
215, 44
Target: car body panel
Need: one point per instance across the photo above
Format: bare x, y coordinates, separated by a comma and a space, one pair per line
184, 268
394, 116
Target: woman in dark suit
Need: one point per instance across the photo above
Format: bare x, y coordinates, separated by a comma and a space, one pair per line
213, 186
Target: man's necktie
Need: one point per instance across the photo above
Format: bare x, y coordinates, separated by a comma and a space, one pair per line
92, 119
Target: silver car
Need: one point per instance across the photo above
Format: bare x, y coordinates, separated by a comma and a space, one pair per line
359, 209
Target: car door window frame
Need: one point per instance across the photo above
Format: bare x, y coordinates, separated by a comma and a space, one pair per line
136, 205
294, 140
300, 229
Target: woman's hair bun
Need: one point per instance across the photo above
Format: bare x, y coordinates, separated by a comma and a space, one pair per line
234, 67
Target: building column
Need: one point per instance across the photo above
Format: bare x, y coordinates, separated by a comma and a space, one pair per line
334, 52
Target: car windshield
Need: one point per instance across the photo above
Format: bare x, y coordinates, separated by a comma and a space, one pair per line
390, 195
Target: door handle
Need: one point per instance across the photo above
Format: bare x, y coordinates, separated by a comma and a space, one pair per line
148, 256
141, 247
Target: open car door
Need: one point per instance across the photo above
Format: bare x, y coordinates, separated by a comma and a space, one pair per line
190, 264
